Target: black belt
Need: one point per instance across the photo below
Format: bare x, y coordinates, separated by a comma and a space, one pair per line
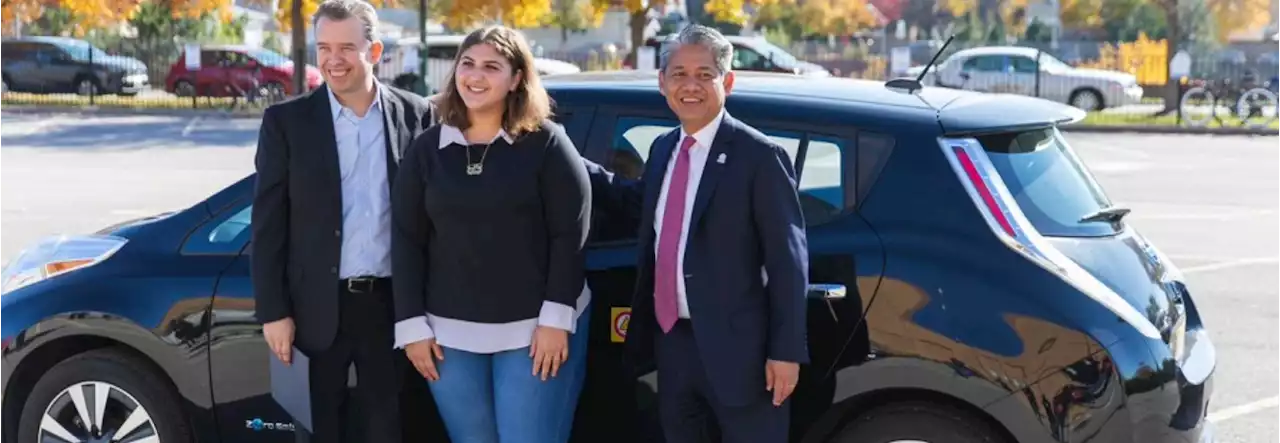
361, 285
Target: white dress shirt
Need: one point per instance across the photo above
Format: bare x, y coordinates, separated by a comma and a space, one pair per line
698, 154
366, 196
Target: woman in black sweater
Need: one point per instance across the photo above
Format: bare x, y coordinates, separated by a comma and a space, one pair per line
491, 210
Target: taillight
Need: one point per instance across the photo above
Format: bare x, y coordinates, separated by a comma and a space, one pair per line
983, 191
1005, 218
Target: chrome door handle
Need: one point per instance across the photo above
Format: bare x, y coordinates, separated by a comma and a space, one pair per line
826, 291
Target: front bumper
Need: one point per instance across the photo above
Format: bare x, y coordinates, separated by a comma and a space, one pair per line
1131, 95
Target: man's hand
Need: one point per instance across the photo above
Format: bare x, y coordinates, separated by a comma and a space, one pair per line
279, 336
781, 378
421, 353
550, 348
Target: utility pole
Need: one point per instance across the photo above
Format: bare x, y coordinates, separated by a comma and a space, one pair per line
299, 47
425, 88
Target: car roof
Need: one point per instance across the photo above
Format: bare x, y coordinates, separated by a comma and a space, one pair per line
48, 39
997, 50
956, 111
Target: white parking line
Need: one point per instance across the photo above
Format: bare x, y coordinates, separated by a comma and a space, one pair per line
1244, 409
1230, 264
190, 126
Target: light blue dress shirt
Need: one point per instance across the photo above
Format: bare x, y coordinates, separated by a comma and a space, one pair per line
366, 195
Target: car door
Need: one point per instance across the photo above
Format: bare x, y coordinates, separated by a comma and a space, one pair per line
845, 255
440, 57
1021, 77
243, 408
21, 66
985, 73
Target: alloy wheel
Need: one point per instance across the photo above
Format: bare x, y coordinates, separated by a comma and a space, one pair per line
96, 412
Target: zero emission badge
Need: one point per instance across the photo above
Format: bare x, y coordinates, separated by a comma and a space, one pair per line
620, 318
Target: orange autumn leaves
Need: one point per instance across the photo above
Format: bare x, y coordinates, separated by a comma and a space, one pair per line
95, 14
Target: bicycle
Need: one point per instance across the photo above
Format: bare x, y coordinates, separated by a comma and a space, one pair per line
1248, 102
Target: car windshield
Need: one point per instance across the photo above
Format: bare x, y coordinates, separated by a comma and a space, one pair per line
267, 57
779, 56
1048, 182
1052, 63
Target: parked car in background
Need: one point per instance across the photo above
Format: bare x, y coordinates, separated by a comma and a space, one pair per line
66, 65
1015, 70
227, 69
970, 282
755, 54
400, 66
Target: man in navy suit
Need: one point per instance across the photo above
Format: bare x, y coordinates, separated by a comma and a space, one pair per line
720, 300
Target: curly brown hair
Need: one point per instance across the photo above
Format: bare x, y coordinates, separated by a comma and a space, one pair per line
526, 107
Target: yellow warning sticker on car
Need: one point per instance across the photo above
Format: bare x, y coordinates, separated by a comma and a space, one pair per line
620, 318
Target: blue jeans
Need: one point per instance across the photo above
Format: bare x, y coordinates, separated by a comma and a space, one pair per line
495, 398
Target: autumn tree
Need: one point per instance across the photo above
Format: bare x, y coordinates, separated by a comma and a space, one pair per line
835, 16
1238, 15
88, 15
573, 15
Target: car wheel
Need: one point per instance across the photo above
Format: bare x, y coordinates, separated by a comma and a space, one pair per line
86, 86
102, 395
917, 422
1086, 99
183, 88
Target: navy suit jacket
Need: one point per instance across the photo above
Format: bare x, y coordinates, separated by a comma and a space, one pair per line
746, 217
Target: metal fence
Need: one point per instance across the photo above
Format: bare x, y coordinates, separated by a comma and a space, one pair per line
1119, 85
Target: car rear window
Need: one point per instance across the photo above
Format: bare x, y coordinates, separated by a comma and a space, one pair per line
1048, 182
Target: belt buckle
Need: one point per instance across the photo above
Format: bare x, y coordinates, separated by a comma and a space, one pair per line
352, 284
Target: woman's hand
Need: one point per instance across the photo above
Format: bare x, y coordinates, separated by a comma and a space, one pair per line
550, 348
421, 354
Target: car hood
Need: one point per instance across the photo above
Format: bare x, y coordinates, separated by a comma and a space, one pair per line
121, 63
1101, 74
808, 69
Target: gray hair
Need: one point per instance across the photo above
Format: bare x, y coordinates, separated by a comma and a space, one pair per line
700, 35
345, 9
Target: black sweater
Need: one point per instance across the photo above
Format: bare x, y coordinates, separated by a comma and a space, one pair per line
489, 248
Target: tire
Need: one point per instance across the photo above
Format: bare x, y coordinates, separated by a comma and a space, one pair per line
917, 422
183, 88
1090, 94
132, 388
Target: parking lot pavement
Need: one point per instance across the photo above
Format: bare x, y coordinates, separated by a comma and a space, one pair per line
1210, 202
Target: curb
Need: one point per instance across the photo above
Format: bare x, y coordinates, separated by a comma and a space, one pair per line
119, 111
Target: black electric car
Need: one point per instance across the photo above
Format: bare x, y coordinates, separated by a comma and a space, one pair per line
970, 282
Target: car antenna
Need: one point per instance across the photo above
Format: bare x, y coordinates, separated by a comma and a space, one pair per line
913, 85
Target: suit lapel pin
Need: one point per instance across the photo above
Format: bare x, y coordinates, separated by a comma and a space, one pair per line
721, 158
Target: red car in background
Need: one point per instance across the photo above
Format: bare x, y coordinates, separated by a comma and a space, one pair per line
230, 70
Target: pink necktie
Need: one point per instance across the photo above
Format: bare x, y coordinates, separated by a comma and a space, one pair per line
667, 274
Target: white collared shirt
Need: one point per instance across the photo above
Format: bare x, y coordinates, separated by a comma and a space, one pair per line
698, 154
366, 195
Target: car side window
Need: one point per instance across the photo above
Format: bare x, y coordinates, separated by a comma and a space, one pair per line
442, 52
985, 63
821, 175
226, 234
1023, 65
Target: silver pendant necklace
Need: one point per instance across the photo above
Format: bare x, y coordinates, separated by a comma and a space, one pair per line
477, 168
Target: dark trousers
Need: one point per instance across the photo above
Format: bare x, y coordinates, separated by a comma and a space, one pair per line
688, 407
366, 334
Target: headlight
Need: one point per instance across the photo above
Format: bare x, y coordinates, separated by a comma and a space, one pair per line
55, 256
